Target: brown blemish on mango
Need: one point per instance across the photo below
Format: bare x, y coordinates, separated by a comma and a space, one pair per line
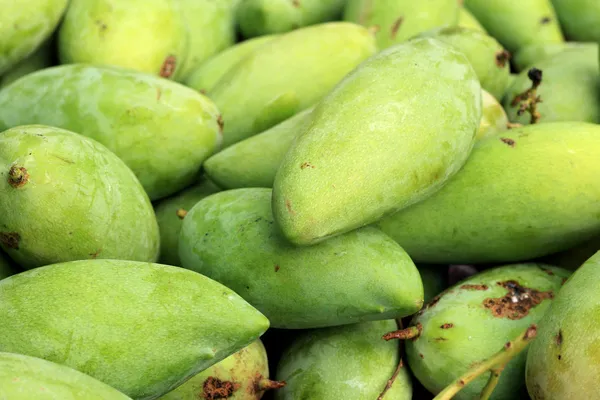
96, 254
296, 3
214, 388
559, 338
396, 27
502, 57
168, 67
474, 287
306, 165
508, 141
545, 20
10, 239
447, 326
17, 176
221, 123
517, 302
288, 205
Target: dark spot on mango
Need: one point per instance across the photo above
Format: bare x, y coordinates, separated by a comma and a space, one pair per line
508, 141
10, 239
440, 339
277, 267
396, 26
214, 388
474, 287
306, 165
101, 25
288, 205
96, 254
447, 326
545, 20
421, 355
502, 57
296, 3
168, 67
559, 338
517, 302
17, 176
221, 123
559, 357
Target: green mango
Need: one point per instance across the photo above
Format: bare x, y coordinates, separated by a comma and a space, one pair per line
473, 319
493, 119
563, 361
569, 90
348, 362
206, 75
65, 197
520, 205
141, 328
25, 378
6, 266
265, 17
24, 27
170, 213
363, 275
517, 24
529, 56
396, 21
288, 75
580, 19
39, 59
467, 20
149, 36
162, 130
435, 279
389, 135
254, 162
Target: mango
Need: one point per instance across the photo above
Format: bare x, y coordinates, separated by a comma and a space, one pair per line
435, 280
580, 19
148, 327
363, 275
65, 197
493, 119
288, 75
39, 59
348, 362
396, 21
24, 27
531, 55
6, 266
563, 361
516, 210
517, 24
386, 137
467, 20
162, 130
149, 36
266, 17
170, 213
470, 321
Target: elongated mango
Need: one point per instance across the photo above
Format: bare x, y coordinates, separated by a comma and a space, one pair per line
580, 19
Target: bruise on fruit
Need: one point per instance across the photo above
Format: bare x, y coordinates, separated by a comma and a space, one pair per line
559, 338
101, 25
288, 205
474, 287
96, 254
306, 165
396, 27
517, 302
17, 176
545, 20
214, 388
447, 326
168, 67
277, 268
181, 213
440, 339
296, 3
502, 57
10, 239
221, 123
508, 141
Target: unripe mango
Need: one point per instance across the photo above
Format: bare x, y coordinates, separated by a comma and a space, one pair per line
467, 20
383, 139
39, 59
531, 55
580, 19
493, 118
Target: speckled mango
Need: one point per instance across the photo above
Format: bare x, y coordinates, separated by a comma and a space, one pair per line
40, 59
383, 139
148, 327
363, 275
472, 320
493, 118
65, 197
288, 75
6, 266
580, 19
162, 130
531, 55
467, 20
348, 362
521, 206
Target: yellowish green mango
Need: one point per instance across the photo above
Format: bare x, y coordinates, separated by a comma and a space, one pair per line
531, 55
161, 129
580, 19
141, 328
467, 20
6, 266
493, 119
388, 136
288, 75
65, 197
39, 59
520, 205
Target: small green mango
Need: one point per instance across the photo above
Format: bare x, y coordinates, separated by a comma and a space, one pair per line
144, 35
162, 130
265, 17
386, 137
517, 24
6, 266
563, 362
363, 275
396, 21
529, 56
435, 279
147, 327
288, 75
580, 19
348, 362
520, 206
170, 213
472, 321
493, 119
65, 197
26, 378
467, 20
40, 59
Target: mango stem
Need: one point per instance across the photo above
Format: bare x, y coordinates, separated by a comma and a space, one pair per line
412, 332
267, 384
391, 381
528, 100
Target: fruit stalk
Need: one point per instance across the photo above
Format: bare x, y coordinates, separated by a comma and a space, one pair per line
399, 367
528, 100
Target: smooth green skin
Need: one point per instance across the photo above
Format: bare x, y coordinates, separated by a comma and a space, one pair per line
162, 130
169, 223
254, 162
435, 279
531, 55
347, 362
389, 135
141, 328
580, 19
6, 266
570, 89
493, 119
266, 17
206, 75
516, 210
288, 75
361, 276
439, 356
467, 20
40, 59
137, 34
79, 202
25, 378
571, 369
23, 28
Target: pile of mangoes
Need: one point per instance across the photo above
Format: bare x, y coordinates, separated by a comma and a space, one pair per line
392, 199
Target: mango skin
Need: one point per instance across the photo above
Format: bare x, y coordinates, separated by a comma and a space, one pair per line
515, 211
288, 75
231, 237
467, 20
347, 362
458, 329
79, 201
580, 19
41, 58
162, 130
398, 20
383, 139
493, 118
562, 362
148, 327
531, 55
24, 28
148, 36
